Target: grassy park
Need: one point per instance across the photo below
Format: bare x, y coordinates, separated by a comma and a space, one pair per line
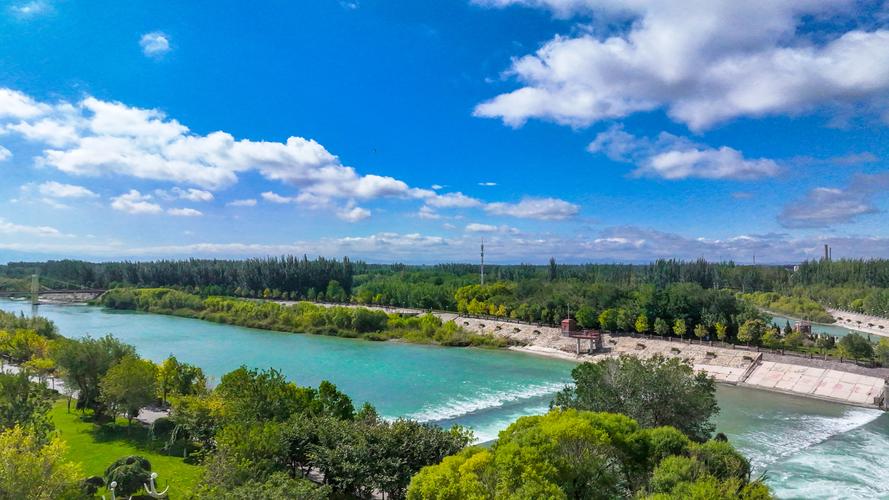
96, 446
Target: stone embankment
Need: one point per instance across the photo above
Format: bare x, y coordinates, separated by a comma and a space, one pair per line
828, 380
861, 322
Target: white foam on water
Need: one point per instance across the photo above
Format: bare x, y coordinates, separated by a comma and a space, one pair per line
458, 407
851, 466
799, 432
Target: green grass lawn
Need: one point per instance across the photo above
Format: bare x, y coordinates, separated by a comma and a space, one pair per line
96, 447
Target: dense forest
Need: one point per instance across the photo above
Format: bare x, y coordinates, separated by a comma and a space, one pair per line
860, 285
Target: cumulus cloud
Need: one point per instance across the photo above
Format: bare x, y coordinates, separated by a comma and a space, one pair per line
155, 44
535, 208
353, 214
14, 104
96, 138
672, 157
822, 206
703, 62
184, 212
134, 202
5, 154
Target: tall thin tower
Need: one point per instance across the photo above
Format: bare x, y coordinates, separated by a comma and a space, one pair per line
483, 261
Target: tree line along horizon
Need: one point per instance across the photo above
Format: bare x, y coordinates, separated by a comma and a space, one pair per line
258, 435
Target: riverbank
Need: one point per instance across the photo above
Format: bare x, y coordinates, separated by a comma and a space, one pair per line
845, 383
862, 322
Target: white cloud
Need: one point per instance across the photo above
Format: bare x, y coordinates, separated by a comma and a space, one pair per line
487, 184
476, 227
823, 207
14, 104
134, 202
31, 9
155, 44
427, 213
94, 137
480, 228
102, 138
277, 198
11, 228
184, 212
613, 244
189, 194
453, 200
436, 187
672, 157
353, 213
53, 132
704, 62
5, 154
249, 202
55, 189
535, 208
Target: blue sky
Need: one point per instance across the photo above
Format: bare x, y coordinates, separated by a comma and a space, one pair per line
588, 130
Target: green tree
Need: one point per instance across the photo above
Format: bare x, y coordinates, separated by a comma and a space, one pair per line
661, 327
855, 346
701, 331
250, 395
825, 342
586, 317
721, 331
84, 362
179, 379
627, 385
772, 338
35, 469
24, 403
334, 403
793, 340
679, 327
882, 351
576, 454
751, 331
278, 486
129, 386
641, 323
608, 320
129, 473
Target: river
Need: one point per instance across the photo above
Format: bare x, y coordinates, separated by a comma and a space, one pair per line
806, 448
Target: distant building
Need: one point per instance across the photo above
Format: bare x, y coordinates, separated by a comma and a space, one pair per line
803, 327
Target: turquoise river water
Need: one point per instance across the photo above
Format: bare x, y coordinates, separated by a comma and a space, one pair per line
806, 448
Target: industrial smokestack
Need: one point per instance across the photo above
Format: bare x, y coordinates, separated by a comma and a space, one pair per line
826, 252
